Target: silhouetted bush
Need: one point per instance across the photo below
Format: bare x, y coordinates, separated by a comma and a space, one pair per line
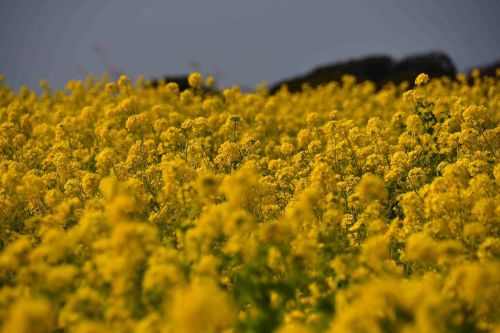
181, 80
378, 69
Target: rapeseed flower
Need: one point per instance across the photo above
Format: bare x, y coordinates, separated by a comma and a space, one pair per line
338, 208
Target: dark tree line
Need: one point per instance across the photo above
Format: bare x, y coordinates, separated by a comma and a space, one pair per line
379, 69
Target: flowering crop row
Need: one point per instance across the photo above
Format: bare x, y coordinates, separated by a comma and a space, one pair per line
337, 209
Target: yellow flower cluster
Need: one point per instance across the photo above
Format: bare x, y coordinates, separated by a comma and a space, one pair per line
125, 208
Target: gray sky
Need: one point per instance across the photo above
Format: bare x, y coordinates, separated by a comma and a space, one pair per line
246, 41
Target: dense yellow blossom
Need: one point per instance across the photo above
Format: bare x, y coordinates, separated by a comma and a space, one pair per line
341, 208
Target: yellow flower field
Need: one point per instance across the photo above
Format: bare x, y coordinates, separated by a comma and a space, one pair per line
125, 208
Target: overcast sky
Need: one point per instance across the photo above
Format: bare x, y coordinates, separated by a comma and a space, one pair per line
244, 42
